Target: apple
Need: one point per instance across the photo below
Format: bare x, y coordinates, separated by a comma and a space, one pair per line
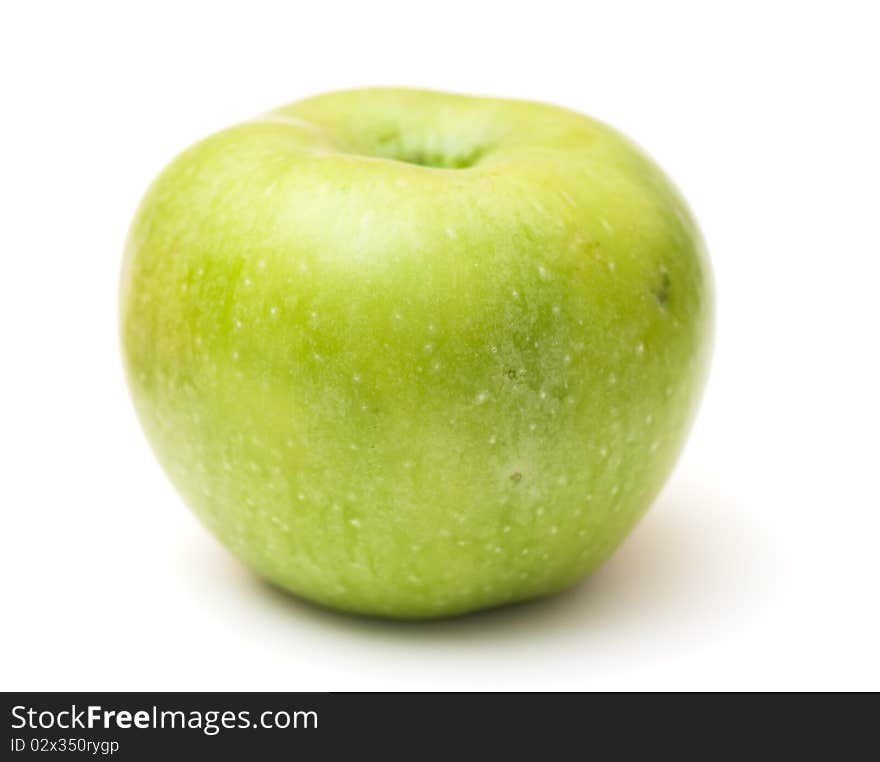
412, 354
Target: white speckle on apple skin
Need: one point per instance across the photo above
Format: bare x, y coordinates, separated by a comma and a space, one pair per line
277, 522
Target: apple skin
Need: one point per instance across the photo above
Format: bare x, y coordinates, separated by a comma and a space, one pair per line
413, 354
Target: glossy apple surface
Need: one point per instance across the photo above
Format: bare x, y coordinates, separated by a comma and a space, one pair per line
413, 354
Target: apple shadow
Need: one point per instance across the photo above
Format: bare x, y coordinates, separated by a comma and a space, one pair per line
688, 559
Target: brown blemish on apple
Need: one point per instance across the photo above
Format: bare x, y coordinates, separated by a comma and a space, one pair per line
516, 478
661, 292
593, 250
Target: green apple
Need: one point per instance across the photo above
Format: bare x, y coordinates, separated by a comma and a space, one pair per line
413, 354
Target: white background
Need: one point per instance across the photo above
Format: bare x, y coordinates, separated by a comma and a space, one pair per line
758, 566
